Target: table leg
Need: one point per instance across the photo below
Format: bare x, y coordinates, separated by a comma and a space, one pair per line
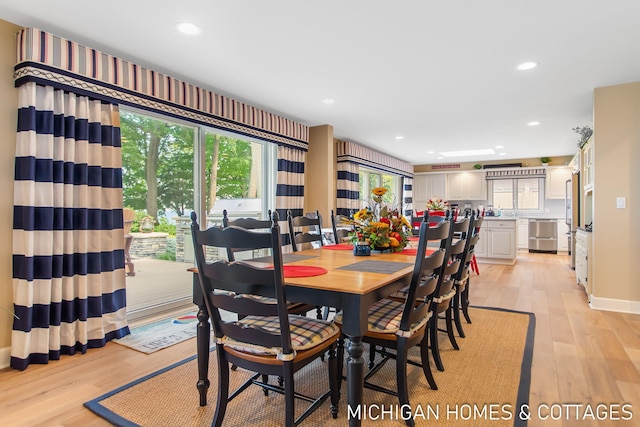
355, 380
203, 338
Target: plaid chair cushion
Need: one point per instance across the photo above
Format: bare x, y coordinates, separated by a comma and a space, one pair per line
385, 316
306, 333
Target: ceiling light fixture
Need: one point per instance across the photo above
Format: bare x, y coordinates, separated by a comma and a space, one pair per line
479, 152
533, 123
503, 154
328, 101
430, 152
525, 66
440, 158
499, 146
188, 28
399, 137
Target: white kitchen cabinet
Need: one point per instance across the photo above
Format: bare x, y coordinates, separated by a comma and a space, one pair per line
522, 233
563, 242
481, 247
500, 240
583, 261
466, 186
426, 186
556, 182
587, 165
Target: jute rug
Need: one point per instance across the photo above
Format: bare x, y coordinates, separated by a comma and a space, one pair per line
484, 384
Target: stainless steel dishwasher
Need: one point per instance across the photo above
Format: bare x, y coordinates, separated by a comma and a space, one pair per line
543, 235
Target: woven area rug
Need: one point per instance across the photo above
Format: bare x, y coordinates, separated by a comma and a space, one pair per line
484, 384
162, 334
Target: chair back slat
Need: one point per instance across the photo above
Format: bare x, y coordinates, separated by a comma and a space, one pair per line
247, 224
241, 278
304, 230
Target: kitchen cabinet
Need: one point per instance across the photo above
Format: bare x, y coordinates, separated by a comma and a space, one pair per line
466, 186
587, 165
426, 186
522, 233
583, 260
555, 182
563, 241
500, 240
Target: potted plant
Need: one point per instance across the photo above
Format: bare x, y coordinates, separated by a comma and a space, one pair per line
545, 161
585, 133
477, 166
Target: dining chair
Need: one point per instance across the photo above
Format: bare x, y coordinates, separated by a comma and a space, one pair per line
445, 289
341, 229
464, 294
266, 340
304, 231
395, 326
264, 225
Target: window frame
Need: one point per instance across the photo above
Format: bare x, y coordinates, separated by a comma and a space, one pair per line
514, 206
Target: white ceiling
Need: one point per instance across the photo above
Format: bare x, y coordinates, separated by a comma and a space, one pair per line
440, 73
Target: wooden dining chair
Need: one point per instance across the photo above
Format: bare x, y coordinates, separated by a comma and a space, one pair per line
304, 231
341, 229
395, 326
464, 294
266, 340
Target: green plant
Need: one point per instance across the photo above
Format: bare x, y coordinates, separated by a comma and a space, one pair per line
167, 256
477, 166
585, 133
545, 159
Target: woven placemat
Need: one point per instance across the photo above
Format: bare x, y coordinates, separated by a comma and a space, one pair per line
491, 370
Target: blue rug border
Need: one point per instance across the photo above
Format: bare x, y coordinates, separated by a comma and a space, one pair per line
524, 386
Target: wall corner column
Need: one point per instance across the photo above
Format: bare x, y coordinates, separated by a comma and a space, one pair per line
320, 173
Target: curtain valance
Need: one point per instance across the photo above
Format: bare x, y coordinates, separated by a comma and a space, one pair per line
516, 173
355, 153
48, 59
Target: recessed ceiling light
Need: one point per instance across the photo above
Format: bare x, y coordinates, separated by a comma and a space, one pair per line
533, 123
328, 101
430, 152
440, 158
188, 28
499, 146
503, 154
399, 137
479, 152
527, 66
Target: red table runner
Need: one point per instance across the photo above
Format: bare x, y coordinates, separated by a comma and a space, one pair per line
339, 247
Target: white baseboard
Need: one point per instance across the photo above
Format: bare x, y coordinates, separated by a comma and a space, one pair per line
610, 304
5, 357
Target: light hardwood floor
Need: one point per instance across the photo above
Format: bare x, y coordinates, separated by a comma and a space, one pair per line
581, 356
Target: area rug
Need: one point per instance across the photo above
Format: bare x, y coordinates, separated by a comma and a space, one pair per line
162, 334
485, 383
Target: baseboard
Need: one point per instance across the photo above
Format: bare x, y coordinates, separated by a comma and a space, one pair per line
5, 357
619, 305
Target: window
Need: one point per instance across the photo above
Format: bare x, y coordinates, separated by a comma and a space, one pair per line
370, 179
523, 194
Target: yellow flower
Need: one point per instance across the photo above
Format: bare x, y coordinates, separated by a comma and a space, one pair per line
360, 215
379, 191
380, 225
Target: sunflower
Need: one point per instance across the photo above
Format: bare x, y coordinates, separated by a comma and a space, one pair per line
379, 191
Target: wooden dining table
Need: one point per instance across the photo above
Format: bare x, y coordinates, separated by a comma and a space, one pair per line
351, 284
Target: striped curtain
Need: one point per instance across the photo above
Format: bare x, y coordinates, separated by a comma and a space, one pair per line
407, 196
68, 240
348, 195
289, 186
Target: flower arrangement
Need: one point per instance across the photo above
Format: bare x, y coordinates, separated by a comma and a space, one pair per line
436, 204
379, 225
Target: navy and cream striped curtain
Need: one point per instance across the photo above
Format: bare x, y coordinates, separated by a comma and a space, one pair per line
68, 241
407, 196
348, 192
289, 187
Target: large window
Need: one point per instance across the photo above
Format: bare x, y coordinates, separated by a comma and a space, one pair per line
370, 179
522, 194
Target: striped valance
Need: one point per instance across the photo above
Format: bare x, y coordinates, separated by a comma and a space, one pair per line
48, 59
355, 153
516, 173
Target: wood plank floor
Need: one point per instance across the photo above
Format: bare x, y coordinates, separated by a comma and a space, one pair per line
581, 356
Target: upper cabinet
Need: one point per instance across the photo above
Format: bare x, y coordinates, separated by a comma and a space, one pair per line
587, 165
556, 180
466, 186
426, 186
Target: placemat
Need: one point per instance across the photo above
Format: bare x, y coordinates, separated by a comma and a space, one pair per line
375, 266
285, 258
339, 247
414, 251
302, 271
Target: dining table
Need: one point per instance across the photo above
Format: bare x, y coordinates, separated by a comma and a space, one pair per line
345, 281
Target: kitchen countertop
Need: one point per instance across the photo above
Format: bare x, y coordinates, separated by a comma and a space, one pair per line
500, 218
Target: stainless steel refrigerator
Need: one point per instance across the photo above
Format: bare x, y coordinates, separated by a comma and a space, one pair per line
572, 213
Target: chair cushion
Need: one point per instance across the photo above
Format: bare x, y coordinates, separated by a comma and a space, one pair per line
385, 316
306, 333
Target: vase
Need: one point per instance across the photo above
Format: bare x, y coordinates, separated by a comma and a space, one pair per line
361, 249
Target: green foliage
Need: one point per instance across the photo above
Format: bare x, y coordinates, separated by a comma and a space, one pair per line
234, 166
165, 226
167, 256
